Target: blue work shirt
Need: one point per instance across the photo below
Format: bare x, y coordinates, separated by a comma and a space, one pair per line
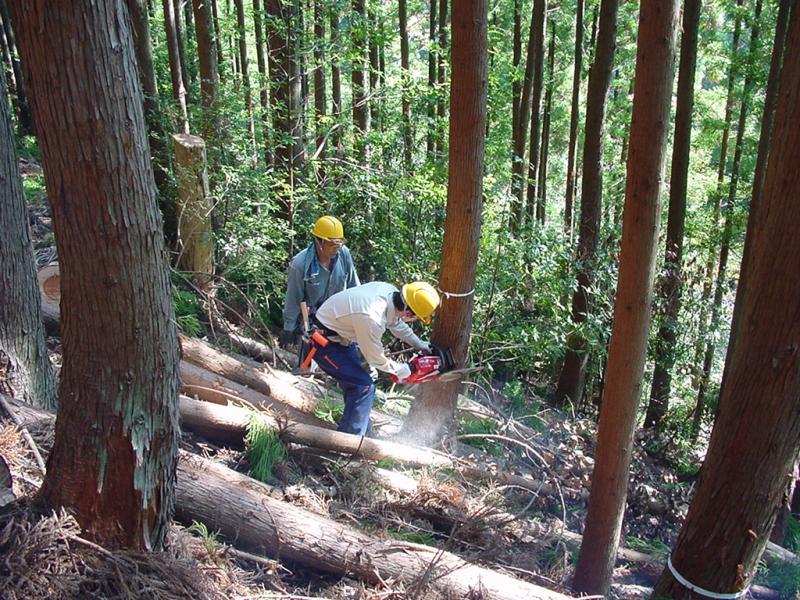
310, 282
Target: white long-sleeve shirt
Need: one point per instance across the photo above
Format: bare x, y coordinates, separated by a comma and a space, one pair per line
362, 314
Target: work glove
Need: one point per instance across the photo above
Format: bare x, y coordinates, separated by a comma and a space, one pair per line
288, 339
403, 373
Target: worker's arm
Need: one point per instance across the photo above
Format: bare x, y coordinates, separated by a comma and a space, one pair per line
293, 298
368, 336
402, 331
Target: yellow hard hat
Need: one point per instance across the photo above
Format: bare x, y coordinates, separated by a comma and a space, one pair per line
421, 298
328, 228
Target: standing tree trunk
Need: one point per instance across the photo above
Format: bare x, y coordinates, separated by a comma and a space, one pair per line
180, 37
113, 461
432, 53
336, 85
408, 136
320, 109
727, 230
573, 373
178, 90
279, 31
263, 77
705, 300
435, 407
670, 297
516, 82
770, 100
248, 92
361, 117
441, 79
209, 77
539, 10
24, 119
374, 33
757, 430
541, 188
658, 24
569, 196
23, 352
519, 134
147, 78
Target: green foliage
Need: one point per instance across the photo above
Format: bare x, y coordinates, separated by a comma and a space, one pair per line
209, 538
329, 410
481, 427
264, 449
413, 537
655, 548
782, 577
187, 311
792, 538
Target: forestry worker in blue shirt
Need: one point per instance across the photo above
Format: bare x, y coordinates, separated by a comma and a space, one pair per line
315, 274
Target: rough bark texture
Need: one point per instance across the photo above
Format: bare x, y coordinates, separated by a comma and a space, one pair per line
241, 34
209, 75
281, 386
23, 352
361, 116
320, 109
536, 105
435, 406
178, 89
658, 25
193, 206
408, 136
24, 117
147, 78
115, 448
573, 373
198, 381
757, 430
670, 297
263, 77
290, 533
569, 196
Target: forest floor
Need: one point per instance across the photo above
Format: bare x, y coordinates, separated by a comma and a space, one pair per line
531, 535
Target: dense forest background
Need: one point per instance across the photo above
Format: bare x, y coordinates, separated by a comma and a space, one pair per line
286, 146
261, 117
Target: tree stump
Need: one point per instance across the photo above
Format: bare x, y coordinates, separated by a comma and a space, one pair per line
193, 208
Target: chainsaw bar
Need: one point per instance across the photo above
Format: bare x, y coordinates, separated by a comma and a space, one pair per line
457, 373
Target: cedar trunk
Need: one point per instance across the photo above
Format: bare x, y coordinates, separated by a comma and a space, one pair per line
435, 407
263, 92
209, 76
114, 456
671, 287
536, 105
658, 24
573, 373
757, 430
178, 89
406, 79
218, 497
569, 196
361, 116
23, 352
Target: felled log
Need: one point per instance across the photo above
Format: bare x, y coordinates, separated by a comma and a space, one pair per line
262, 352
245, 514
279, 385
50, 291
228, 424
214, 388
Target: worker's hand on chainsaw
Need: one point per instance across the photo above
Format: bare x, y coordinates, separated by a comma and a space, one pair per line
403, 373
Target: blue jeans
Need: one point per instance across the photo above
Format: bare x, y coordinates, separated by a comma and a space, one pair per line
343, 363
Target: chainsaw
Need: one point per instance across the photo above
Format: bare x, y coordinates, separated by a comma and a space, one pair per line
437, 366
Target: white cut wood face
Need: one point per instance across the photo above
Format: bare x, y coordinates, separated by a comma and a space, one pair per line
50, 282
6, 491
